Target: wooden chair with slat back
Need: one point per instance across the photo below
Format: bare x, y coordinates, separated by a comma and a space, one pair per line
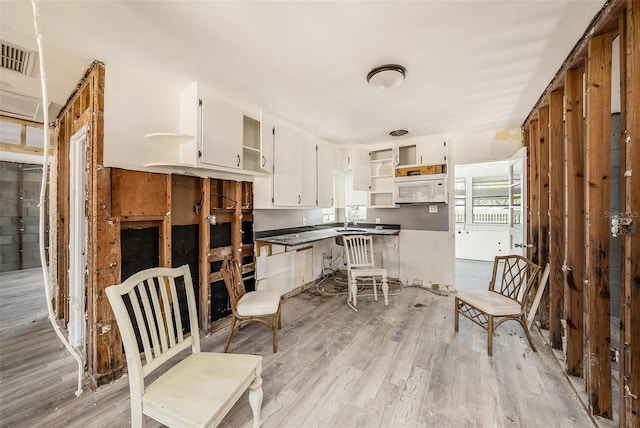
360, 264
514, 278
264, 306
200, 389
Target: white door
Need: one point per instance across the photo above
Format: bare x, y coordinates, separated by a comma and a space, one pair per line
77, 237
517, 207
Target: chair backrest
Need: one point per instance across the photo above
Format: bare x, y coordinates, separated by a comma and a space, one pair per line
147, 308
514, 277
232, 275
359, 250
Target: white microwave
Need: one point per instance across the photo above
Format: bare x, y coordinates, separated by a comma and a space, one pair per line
420, 189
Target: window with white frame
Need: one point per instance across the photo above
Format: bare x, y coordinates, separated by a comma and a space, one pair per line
490, 200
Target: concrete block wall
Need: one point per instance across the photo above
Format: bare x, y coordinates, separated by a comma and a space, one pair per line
615, 249
15, 225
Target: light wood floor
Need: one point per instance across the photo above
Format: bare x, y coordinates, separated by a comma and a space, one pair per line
395, 366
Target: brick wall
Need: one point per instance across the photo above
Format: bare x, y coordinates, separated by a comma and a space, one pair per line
19, 227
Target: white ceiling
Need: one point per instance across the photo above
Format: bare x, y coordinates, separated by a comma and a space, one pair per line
472, 65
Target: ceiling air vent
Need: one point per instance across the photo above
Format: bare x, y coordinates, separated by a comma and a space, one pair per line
17, 59
399, 132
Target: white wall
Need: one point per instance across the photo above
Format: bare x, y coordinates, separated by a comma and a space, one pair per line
484, 146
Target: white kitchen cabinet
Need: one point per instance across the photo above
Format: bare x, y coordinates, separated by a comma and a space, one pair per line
361, 170
324, 168
276, 271
267, 135
357, 162
304, 266
294, 168
432, 150
217, 125
427, 150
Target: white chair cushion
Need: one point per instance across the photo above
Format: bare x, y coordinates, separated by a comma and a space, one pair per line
186, 394
259, 303
490, 302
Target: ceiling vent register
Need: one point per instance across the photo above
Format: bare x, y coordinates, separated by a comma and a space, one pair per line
17, 59
399, 132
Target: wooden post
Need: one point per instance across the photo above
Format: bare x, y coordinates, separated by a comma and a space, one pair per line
574, 223
533, 193
622, 362
205, 251
543, 205
236, 224
630, 371
165, 228
556, 218
598, 163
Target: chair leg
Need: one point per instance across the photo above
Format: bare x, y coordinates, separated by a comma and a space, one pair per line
375, 289
233, 327
523, 323
490, 332
280, 315
385, 290
353, 290
274, 328
457, 314
255, 401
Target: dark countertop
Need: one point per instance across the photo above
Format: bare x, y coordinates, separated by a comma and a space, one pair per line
308, 234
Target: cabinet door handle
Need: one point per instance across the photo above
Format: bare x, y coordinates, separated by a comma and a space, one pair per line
238, 160
299, 199
348, 160
331, 201
420, 160
264, 161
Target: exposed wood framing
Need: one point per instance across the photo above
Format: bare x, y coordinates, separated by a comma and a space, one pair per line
542, 155
165, 228
534, 208
597, 196
205, 252
574, 225
622, 363
236, 225
630, 371
556, 218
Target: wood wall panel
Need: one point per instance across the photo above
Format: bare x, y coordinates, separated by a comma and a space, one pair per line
138, 194
598, 164
574, 226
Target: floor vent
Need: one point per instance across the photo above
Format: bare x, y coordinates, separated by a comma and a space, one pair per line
17, 59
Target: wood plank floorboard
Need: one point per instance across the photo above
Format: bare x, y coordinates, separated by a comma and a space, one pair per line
400, 365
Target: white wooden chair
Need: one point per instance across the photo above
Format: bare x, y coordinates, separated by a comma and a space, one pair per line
514, 278
359, 251
198, 390
252, 306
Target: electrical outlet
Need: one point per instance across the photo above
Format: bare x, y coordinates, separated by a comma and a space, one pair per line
304, 221
377, 220
433, 208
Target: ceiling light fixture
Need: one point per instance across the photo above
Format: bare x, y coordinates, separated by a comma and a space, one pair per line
386, 76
